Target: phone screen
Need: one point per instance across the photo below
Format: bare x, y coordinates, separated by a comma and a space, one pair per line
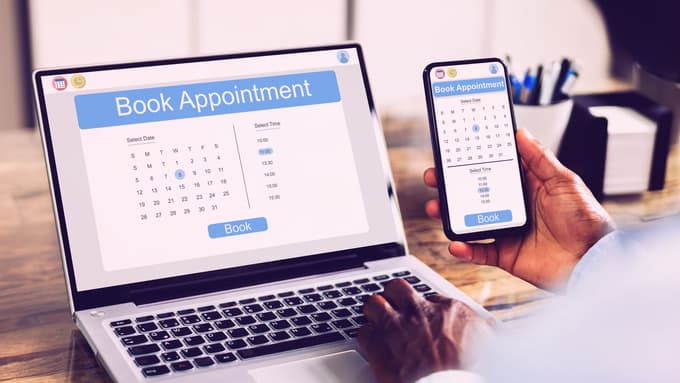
473, 135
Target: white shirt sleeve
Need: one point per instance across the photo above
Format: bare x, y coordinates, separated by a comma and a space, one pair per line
451, 376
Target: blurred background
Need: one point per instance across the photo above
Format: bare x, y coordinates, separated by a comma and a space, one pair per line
399, 37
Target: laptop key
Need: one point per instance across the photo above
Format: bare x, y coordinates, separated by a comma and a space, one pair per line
181, 331
400, 274
232, 312
169, 323
300, 331
325, 287
170, 356
287, 312
342, 324
360, 320
321, 317
258, 328
203, 327
290, 345
159, 335
206, 308
171, 344
225, 358
236, 344
185, 312
352, 290
412, 279
224, 324
214, 348
301, 321
245, 320
381, 277
217, 336
273, 305
165, 315
247, 301
266, 316
371, 287
155, 370
343, 284
362, 298
342, 313
266, 298
182, 365
312, 298
321, 327
123, 331
227, 304
358, 309
211, 315
121, 322
145, 318
194, 340
204, 361
332, 294
252, 309
144, 349
352, 333
146, 327
307, 309
347, 302
190, 319
147, 360
257, 340
133, 340
361, 281
293, 301
422, 288
237, 333
285, 294
279, 324
328, 305
279, 336
192, 352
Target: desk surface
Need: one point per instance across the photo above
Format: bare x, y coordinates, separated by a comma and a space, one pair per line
39, 342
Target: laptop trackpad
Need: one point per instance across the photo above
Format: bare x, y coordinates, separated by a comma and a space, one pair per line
347, 366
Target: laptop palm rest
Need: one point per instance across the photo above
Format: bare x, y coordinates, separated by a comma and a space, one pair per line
347, 366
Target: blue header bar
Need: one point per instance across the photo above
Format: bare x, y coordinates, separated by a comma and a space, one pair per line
138, 106
463, 87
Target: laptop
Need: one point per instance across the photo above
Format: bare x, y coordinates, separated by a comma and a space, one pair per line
225, 217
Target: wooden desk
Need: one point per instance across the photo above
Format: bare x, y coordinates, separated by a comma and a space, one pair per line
38, 341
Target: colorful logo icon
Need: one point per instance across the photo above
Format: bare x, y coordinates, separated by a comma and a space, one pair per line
493, 68
452, 72
59, 83
439, 73
77, 81
343, 57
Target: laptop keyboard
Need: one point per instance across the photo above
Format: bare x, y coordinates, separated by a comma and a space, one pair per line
205, 336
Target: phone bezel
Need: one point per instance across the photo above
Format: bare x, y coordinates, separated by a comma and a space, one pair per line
443, 202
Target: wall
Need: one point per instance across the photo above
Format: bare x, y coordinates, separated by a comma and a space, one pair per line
10, 105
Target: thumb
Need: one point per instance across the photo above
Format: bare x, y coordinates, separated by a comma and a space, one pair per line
539, 160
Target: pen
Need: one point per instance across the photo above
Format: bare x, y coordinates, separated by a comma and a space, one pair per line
550, 74
557, 91
515, 85
570, 79
528, 85
535, 92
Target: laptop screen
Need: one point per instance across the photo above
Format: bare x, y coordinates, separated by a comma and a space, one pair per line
185, 167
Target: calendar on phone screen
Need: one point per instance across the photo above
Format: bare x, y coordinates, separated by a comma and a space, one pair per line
215, 168
477, 147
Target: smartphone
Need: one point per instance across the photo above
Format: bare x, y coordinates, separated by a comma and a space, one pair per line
479, 172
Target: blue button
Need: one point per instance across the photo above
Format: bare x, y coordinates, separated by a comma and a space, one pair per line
179, 174
244, 226
488, 218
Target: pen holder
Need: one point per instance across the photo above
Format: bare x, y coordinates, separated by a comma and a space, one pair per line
545, 122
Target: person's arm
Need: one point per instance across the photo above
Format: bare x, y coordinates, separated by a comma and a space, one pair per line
452, 376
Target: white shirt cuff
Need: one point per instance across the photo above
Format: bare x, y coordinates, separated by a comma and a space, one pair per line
451, 376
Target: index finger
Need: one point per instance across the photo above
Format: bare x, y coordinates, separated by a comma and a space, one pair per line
377, 309
402, 296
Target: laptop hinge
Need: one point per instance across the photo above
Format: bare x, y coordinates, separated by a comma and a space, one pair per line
210, 284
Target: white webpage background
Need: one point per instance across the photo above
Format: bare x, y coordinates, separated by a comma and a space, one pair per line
320, 193
503, 178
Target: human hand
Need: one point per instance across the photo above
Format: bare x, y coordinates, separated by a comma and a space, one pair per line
408, 337
566, 220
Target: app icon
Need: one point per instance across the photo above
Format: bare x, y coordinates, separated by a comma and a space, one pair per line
493, 68
77, 81
452, 72
59, 83
343, 57
439, 73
